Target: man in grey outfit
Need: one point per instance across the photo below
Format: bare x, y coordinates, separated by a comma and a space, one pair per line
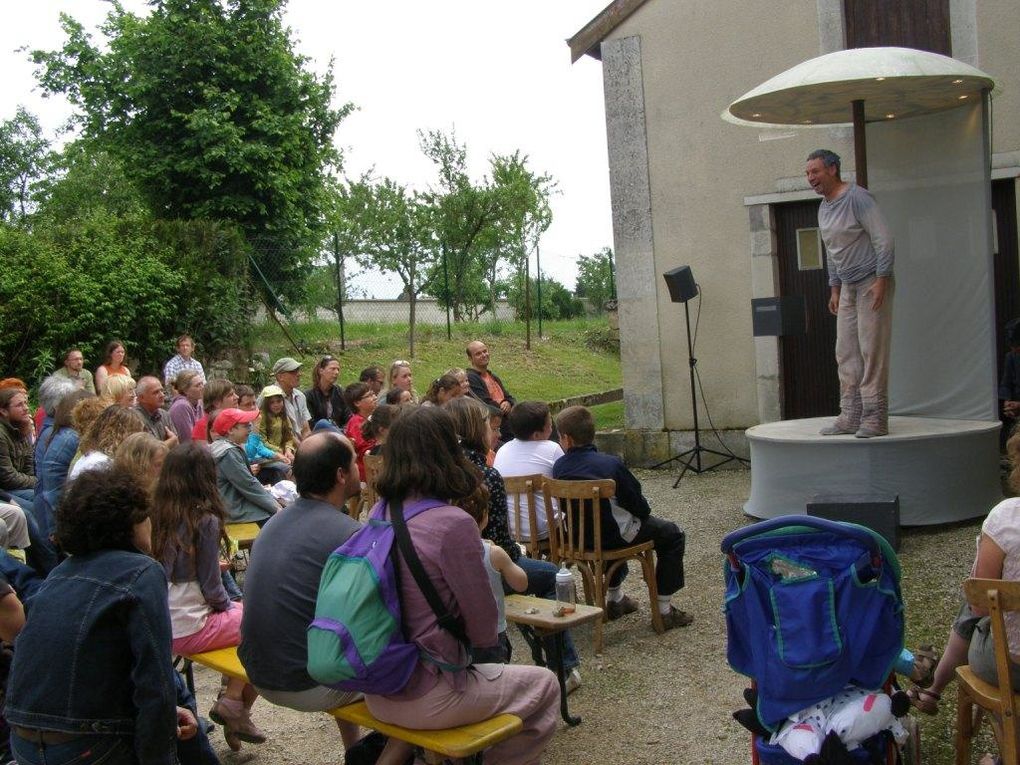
859, 257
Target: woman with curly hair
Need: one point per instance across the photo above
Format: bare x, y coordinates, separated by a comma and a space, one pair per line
103, 691
100, 441
141, 455
113, 364
423, 461
188, 520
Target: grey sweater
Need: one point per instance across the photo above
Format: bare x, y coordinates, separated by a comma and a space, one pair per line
857, 240
244, 498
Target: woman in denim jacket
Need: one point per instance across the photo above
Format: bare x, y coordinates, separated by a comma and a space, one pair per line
91, 680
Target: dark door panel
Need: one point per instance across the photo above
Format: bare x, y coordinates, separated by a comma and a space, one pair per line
807, 364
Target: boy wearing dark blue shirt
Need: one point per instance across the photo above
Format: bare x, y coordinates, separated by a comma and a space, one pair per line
626, 517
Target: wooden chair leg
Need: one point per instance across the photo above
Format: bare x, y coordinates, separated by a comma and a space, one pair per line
599, 595
964, 729
648, 569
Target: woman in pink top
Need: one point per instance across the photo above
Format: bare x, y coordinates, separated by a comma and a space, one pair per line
423, 459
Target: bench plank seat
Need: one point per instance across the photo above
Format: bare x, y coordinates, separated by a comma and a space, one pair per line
242, 533
459, 743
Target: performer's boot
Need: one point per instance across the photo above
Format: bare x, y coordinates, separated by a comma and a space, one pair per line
849, 420
875, 418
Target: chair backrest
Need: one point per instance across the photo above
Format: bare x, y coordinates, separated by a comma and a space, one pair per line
373, 464
520, 490
573, 511
997, 596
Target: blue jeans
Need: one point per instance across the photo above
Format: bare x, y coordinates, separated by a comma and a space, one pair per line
197, 750
41, 555
542, 583
83, 750
230, 585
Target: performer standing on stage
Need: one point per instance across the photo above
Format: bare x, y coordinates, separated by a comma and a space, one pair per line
859, 256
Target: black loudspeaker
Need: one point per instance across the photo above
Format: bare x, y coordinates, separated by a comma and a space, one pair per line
879, 512
776, 317
681, 284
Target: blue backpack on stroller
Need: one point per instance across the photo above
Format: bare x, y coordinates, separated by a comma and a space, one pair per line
811, 606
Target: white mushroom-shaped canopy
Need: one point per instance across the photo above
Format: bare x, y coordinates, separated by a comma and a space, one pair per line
894, 83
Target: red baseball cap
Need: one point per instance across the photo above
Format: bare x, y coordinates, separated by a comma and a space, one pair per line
228, 418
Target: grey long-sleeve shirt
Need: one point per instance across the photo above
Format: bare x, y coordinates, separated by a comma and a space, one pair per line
857, 240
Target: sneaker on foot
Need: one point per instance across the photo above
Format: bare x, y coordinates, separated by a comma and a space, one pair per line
573, 681
676, 618
621, 607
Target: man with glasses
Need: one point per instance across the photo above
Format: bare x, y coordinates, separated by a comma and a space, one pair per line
74, 370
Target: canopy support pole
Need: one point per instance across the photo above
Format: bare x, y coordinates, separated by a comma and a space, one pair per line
860, 145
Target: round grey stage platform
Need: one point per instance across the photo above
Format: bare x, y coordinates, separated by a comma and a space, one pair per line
942, 470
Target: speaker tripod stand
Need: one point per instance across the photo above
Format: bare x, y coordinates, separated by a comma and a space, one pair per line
691, 458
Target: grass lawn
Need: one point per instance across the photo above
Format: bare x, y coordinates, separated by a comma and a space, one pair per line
560, 364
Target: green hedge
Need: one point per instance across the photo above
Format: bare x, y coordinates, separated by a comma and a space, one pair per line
90, 279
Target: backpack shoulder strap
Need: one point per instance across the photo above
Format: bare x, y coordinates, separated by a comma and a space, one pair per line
446, 620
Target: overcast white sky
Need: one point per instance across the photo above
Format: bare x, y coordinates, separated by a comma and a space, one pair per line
499, 73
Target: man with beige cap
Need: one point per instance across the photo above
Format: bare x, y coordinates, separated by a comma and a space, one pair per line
288, 376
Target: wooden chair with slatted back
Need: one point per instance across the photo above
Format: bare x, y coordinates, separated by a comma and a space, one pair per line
573, 511
976, 698
520, 490
373, 464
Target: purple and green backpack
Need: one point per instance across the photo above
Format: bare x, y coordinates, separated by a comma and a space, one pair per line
356, 641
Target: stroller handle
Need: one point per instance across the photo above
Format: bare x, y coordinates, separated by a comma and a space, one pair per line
862, 535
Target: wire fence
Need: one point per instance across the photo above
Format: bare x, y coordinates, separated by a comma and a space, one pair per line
337, 290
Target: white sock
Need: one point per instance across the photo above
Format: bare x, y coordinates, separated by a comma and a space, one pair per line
664, 604
614, 594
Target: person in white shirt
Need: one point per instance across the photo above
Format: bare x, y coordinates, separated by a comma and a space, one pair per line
529, 453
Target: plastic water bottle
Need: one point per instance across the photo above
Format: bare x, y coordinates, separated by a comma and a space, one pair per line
565, 590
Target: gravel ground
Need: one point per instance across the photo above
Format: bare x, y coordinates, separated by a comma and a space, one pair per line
653, 699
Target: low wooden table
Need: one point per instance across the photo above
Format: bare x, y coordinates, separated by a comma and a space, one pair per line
537, 614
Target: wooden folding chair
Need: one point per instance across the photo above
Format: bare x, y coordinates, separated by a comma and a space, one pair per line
573, 511
976, 698
373, 464
521, 491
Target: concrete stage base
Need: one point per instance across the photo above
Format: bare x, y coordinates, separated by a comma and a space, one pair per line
942, 470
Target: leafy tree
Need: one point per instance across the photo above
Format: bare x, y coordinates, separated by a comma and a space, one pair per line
387, 228
596, 278
461, 216
207, 106
87, 182
25, 159
526, 214
557, 302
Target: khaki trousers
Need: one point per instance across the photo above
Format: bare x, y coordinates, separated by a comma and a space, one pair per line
863, 338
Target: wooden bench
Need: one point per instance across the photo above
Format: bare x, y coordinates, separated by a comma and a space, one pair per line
466, 742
